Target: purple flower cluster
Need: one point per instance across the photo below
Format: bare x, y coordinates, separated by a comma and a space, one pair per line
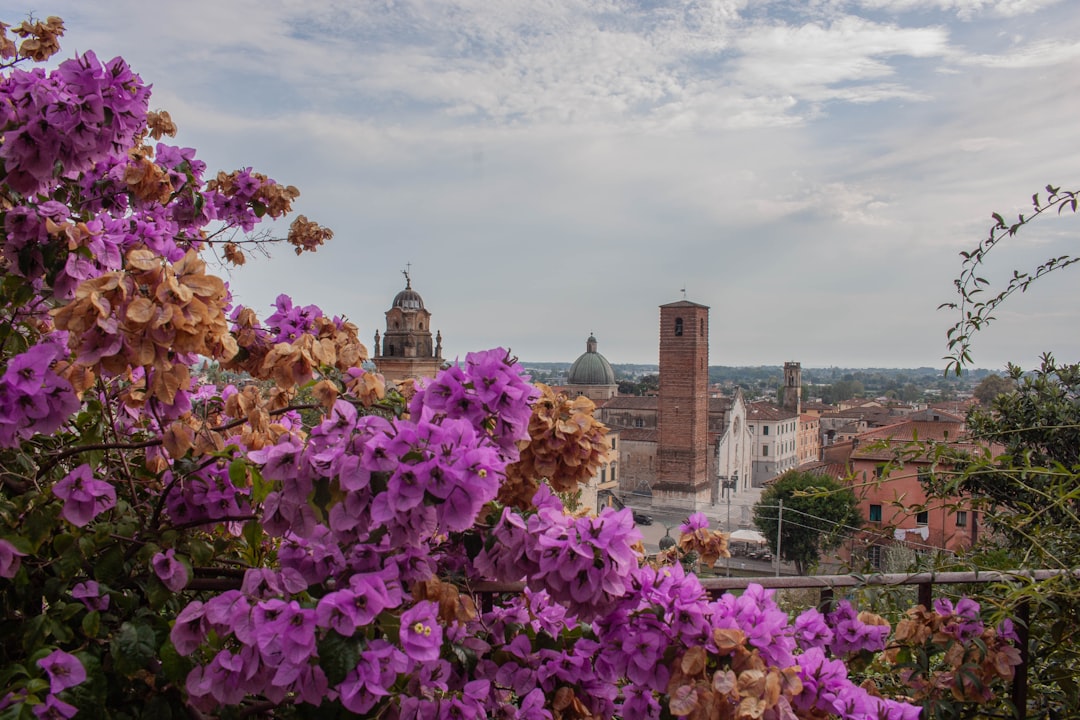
64, 671
272, 655
488, 391
766, 625
288, 322
71, 118
85, 497
33, 399
827, 689
852, 635
205, 495
962, 621
585, 563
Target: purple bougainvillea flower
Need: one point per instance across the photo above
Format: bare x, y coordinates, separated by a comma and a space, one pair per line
55, 709
9, 559
695, 522
90, 594
421, 633
64, 670
84, 496
26, 372
170, 571
190, 628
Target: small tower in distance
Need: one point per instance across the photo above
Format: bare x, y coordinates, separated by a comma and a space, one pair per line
683, 411
406, 350
793, 387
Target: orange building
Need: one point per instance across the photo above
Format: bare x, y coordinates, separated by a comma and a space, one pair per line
894, 504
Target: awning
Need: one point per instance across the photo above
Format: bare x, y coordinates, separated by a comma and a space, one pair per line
750, 536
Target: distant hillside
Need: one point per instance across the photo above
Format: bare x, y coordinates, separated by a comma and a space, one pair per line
761, 380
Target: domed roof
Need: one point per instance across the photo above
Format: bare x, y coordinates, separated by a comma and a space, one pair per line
408, 299
591, 368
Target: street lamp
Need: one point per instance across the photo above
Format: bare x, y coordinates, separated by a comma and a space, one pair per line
729, 485
667, 541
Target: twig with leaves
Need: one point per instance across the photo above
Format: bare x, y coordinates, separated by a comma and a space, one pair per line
977, 312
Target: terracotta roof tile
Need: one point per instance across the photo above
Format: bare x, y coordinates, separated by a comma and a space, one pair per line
628, 434
767, 411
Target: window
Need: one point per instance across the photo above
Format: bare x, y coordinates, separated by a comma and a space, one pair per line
924, 474
764, 429
922, 518
878, 471
765, 451
678, 326
961, 518
702, 321
874, 555
638, 422
875, 513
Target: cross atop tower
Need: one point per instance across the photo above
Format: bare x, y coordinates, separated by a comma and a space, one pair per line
408, 280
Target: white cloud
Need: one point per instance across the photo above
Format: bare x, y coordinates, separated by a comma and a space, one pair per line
964, 9
559, 167
843, 59
1033, 55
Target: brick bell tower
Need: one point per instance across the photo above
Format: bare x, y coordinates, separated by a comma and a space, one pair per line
682, 452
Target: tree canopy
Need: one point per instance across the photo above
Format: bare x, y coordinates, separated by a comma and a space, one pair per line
991, 386
818, 512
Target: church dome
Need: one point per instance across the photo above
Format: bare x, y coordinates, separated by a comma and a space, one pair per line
408, 299
591, 368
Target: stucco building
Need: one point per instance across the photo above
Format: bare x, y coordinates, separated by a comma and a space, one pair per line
775, 433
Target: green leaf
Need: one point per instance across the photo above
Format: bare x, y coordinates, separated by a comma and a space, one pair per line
238, 475
175, 666
253, 533
91, 624
110, 565
132, 648
260, 488
338, 655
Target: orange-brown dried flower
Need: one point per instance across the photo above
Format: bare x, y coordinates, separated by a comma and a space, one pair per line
306, 235
42, 39
234, 254
566, 447
160, 123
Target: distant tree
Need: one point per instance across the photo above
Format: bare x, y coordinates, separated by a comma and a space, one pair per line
991, 386
842, 390
641, 386
909, 392
818, 513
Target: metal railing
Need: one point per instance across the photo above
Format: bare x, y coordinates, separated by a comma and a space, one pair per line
828, 584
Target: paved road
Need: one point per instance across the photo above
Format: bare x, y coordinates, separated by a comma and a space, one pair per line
668, 522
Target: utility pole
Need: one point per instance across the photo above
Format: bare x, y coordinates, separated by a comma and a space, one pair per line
729, 485
779, 526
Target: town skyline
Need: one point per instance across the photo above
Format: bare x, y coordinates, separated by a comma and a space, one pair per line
810, 172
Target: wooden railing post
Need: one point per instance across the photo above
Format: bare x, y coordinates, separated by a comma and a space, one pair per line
1020, 678
827, 601
926, 595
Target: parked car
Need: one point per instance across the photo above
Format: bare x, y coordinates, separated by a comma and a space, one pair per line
641, 518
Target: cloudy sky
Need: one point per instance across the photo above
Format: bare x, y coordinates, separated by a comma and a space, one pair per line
554, 168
